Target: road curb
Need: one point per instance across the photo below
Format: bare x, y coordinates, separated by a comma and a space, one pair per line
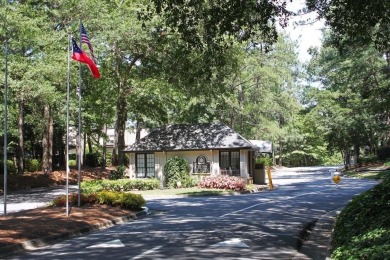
49, 240
318, 245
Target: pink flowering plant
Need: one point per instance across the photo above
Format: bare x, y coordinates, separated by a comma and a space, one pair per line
223, 182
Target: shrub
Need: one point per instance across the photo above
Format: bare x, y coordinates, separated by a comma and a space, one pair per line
91, 186
362, 230
176, 171
120, 185
73, 199
11, 168
126, 160
188, 181
72, 163
126, 200
266, 161
383, 153
32, 165
119, 173
223, 182
367, 160
92, 159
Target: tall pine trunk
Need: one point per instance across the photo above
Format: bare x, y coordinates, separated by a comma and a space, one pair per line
120, 128
20, 147
47, 141
280, 153
104, 155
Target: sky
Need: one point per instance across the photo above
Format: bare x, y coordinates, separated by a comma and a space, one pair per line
306, 35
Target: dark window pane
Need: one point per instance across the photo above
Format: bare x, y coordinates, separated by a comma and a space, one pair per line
145, 165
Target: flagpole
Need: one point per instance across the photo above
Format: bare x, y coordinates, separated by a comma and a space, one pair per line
5, 124
79, 135
67, 130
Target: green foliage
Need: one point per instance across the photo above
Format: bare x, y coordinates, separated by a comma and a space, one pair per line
93, 186
126, 159
119, 173
366, 160
356, 23
125, 200
208, 25
92, 159
73, 199
383, 153
176, 172
11, 168
72, 163
371, 175
32, 165
120, 185
266, 161
362, 229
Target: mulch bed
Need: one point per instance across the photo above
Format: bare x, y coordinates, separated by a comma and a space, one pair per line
22, 226
38, 179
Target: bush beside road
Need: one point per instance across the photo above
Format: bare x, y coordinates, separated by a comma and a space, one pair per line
362, 230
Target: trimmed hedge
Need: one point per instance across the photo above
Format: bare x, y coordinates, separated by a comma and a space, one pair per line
73, 199
120, 185
362, 229
125, 200
112, 198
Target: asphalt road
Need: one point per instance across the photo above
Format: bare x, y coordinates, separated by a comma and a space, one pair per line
264, 225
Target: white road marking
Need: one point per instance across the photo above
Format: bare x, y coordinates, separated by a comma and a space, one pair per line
234, 242
258, 204
241, 210
147, 252
110, 244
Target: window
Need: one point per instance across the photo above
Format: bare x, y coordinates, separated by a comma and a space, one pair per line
229, 162
145, 165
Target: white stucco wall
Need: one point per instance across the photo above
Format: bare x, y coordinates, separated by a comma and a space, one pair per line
212, 156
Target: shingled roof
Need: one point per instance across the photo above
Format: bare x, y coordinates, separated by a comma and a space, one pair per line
190, 137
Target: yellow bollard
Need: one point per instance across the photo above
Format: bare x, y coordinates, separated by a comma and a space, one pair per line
271, 186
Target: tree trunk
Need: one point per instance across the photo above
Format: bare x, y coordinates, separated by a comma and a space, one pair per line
104, 155
80, 149
347, 159
280, 153
120, 127
20, 147
241, 104
90, 147
356, 154
47, 141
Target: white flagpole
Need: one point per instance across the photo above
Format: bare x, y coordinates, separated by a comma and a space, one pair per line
5, 124
79, 134
67, 131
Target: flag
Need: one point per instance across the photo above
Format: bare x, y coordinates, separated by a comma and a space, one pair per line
85, 39
81, 56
